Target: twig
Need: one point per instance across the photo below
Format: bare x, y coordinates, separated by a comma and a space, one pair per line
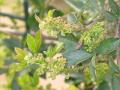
15, 32
11, 16
10, 31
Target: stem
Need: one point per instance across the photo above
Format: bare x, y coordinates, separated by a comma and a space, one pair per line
12, 16
18, 33
118, 48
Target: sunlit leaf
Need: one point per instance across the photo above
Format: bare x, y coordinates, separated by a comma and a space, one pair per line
31, 43
51, 51
50, 13
20, 54
38, 41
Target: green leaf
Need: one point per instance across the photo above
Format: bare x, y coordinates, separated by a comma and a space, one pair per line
35, 80
113, 67
92, 69
114, 7
77, 56
20, 54
69, 43
75, 4
108, 45
115, 83
79, 5
72, 18
102, 3
31, 43
50, 13
38, 41
51, 51
110, 16
59, 47
34, 43
72, 55
104, 86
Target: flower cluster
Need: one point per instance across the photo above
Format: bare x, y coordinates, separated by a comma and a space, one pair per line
56, 25
52, 66
92, 37
31, 59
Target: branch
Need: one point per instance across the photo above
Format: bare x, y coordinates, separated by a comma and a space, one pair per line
12, 16
15, 32
10, 31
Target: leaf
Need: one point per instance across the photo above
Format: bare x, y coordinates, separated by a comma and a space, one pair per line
104, 86
75, 4
76, 57
50, 13
79, 5
72, 18
38, 41
51, 51
113, 67
92, 69
72, 55
102, 3
108, 45
31, 43
69, 43
110, 16
35, 80
92, 5
59, 47
115, 83
114, 7
34, 43
20, 54
24, 79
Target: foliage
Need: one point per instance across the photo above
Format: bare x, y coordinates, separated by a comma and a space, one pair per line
82, 45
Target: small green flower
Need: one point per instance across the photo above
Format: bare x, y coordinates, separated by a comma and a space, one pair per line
92, 37
56, 25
